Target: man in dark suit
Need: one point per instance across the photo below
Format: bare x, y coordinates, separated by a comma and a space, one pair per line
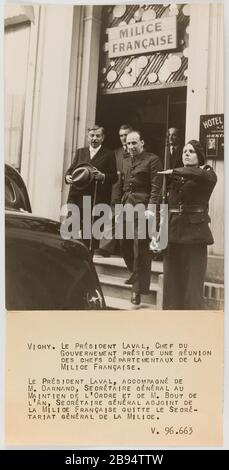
105, 172
108, 243
175, 148
140, 185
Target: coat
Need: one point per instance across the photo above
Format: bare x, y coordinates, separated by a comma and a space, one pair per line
189, 191
120, 155
175, 160
104, 160
140, 181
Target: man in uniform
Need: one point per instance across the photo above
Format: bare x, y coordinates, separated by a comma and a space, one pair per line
104, 172
108, 243
140, 184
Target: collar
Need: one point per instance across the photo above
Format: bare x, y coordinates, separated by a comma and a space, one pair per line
94, 151
137, 157
175, 147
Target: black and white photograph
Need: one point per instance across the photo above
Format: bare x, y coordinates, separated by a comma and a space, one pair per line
117, 105
114, 223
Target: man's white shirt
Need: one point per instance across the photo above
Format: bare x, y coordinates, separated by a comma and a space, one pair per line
93, 151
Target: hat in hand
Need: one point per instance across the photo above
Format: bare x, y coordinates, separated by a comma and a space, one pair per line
83, 175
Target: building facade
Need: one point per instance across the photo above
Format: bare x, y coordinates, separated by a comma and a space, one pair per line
67, 66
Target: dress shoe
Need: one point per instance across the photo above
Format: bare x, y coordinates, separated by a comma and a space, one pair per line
135, 298
102, 252
129, 281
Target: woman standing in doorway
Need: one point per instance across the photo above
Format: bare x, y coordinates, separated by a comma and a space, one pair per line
185, 259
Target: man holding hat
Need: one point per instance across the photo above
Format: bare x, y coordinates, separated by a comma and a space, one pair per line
185, 259
92, 173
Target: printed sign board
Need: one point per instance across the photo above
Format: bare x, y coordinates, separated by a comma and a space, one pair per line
142, 38
212, 135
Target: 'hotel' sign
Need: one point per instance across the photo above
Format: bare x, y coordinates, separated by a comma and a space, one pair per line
143, 37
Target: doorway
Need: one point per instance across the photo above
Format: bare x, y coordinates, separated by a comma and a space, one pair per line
146, 111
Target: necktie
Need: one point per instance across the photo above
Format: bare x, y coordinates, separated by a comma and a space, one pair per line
172, 156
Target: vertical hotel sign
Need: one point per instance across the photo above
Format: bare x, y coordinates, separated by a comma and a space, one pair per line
143, 37
212, 135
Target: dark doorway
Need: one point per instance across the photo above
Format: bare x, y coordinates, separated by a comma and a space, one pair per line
144, 110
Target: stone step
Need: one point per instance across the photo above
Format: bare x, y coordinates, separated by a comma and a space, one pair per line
112, 273
114, 303
116, 260
115, 266
114, 286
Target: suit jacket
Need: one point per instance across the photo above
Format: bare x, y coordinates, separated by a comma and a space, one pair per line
104, 160
140, 181
120, 154
191, 188
175, 160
